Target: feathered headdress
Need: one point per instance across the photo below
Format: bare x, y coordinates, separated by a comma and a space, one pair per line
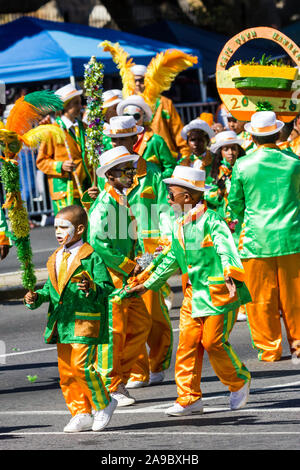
161, 71
26, 113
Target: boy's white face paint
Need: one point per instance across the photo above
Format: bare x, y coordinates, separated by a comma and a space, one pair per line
64, 230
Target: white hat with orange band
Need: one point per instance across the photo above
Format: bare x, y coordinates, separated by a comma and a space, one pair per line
122, 126
114, 157
111, 97
224, 138
68, 92
188, 177
263, 123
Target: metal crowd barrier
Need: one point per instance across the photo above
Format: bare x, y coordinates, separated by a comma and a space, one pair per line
190, 111
34, 185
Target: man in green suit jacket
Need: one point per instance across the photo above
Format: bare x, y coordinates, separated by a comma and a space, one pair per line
265, 193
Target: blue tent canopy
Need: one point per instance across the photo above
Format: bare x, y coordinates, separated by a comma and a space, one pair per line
36, 50
209, 43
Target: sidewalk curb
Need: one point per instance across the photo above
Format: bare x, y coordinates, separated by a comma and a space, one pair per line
11, 284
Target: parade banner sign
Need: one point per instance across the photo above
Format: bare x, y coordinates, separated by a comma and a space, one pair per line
262, 84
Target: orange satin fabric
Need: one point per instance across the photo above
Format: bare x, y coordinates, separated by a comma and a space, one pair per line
274, 285
131, 326
205, 334
81, 384
159, 340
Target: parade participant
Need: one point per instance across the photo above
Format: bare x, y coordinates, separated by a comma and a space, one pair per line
147, 198
165, 121
197, 134
150, 82
112, 233
77, 290
227, 148
213, 281
150, 146
4, 240
265, 193
111, 99
66, 165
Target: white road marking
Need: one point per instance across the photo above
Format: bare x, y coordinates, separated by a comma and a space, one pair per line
153, 409
32, 351
157, 433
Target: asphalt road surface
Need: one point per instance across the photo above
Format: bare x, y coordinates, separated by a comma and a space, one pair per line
33, 413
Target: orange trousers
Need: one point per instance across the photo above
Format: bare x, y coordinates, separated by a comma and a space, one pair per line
81, 385
130, 324
210, 334
160, 339
274, 285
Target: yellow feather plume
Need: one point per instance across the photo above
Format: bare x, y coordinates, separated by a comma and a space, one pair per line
162, 70
41, 133
124, 63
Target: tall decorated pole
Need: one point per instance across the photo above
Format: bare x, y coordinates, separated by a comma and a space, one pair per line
25, 114
93, 84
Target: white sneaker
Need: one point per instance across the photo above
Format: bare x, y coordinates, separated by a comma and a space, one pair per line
136, 384
156, 377
80, 422
239, 399
122, 396
178, 410
103, 417
241, 316
169, 301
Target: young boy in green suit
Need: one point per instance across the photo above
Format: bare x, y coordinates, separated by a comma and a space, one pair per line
77, 290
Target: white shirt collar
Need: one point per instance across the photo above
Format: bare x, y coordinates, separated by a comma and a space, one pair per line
72, 249
68, 123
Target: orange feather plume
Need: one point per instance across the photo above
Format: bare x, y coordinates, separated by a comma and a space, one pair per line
22, 117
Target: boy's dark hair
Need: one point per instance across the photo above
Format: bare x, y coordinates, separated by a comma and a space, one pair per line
266, 139
79, 215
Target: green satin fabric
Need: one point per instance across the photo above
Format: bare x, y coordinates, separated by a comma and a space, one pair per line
204, 249
265, 192
149, 204
68, 309
156, 146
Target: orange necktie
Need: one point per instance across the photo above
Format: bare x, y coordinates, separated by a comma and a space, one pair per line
63, 269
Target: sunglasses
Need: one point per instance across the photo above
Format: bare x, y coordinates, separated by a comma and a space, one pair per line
136, 116
172, 195
123, 171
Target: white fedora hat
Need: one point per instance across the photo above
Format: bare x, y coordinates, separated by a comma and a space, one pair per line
224, 138
188, 178
68, 92
263, 123
139, 70
114, 157
135, 100
197, 124
122, 126
111, 97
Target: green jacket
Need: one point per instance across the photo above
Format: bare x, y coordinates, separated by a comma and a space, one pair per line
203, 248
265, 192
153, 148
112, 233
148, 201
73, 317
